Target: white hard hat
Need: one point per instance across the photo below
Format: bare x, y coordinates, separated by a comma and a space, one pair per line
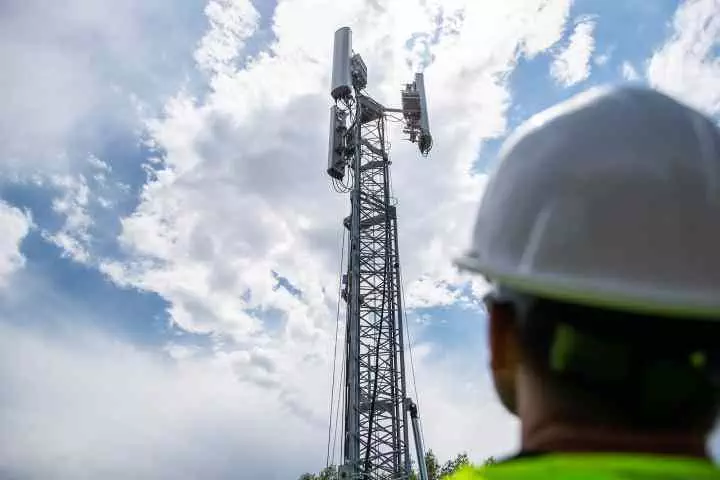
610, 199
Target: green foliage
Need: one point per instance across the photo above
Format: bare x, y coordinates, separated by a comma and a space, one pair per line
433, 467
435, 470
453, 465
327, 473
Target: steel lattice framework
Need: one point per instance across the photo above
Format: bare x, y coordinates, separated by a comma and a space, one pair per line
378, 413
376, 443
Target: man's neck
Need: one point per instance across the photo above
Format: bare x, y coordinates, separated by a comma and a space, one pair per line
545, 427
557, 437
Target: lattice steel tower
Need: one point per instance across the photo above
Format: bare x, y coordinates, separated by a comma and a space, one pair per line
377, 410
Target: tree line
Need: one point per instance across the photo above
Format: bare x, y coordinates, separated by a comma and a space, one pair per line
435, 470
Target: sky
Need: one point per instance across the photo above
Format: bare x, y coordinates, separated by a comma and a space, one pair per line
171, 244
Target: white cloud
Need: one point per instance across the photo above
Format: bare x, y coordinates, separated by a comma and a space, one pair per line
688, 65
84, 406
425, 292
545, 28
77, 196
629, 72
69, 69
572, 64
72, 204
232, 22
15, 226
92, 407
603, 58
242, 192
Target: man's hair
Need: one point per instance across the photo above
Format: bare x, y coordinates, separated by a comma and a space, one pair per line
618, 368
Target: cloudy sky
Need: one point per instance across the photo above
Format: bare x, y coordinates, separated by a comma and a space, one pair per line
170, 242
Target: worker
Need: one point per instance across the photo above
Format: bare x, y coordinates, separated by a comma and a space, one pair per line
599, 234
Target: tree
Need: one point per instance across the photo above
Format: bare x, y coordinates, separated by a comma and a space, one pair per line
453, 465
489, 461
437, 472
327, 473
434, 469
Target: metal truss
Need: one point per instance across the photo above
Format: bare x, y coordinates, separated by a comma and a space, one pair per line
376, 443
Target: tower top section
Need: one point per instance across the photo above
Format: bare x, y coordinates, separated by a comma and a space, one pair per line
349, 75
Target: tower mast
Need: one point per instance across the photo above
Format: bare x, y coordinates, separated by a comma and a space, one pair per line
376, 428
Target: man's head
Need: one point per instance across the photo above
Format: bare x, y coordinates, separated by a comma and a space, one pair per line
603, 367
601, 227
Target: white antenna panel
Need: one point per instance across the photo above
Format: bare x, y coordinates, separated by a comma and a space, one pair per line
420, 85
342, 51
425, 138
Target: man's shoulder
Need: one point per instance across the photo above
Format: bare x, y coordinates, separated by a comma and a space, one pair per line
593, 467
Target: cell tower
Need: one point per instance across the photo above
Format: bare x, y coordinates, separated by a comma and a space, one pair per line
376, 405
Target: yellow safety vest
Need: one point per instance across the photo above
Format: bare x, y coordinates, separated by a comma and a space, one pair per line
595, 466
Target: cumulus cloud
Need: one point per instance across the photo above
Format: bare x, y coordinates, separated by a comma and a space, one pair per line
72, 204
81, 200
603, 58
92, 407
232, 22
71, 68
86, 406
241, 191
427, 292
687, 65
572, 64
629, 72
15, 226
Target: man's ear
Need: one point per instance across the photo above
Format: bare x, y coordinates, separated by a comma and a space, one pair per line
504, 352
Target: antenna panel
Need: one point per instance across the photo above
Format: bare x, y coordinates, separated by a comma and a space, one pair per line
425, 139
336, 148
341, 77
358, 70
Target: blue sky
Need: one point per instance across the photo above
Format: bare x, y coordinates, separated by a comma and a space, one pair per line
169, 225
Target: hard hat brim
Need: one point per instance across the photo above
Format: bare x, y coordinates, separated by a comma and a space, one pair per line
581, 292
